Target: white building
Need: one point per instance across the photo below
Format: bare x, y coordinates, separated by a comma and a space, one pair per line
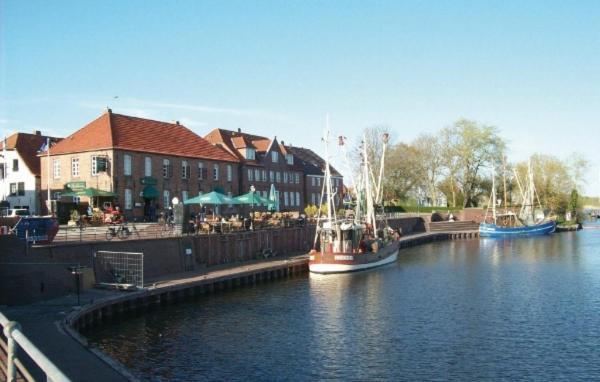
20, 171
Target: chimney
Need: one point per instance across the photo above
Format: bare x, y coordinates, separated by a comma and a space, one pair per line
177, 122
108, 110
37, 132
239, 130
282, 143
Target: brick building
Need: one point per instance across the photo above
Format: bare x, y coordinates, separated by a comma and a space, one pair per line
145, 163
313, 167
264, 163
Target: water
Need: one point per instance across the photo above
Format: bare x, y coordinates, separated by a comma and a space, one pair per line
462, 310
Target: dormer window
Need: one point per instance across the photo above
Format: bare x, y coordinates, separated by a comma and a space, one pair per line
250, 153
289, 158
274, 156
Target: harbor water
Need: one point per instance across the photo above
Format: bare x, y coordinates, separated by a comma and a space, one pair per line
458, 310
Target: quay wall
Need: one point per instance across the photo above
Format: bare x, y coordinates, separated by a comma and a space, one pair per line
29, 274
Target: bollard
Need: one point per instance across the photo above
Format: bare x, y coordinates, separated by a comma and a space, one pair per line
11, 371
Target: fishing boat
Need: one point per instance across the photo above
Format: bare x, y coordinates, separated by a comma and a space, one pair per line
510, 224
357, 241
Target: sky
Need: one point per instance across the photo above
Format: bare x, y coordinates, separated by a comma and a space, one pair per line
277, 68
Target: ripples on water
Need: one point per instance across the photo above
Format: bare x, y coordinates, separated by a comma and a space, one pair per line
462, 310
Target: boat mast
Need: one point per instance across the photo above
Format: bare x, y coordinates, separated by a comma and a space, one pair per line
379, 199
493, 198
368, 192
504, 181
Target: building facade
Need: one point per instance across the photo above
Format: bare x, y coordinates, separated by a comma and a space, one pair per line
20, 171
145, 163
265, 165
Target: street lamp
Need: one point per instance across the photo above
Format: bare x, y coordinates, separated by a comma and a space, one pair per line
76, 271
252, 190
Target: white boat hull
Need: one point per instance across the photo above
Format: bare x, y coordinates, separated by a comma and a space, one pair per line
324, 268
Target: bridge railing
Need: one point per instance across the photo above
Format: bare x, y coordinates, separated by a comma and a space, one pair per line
13, 369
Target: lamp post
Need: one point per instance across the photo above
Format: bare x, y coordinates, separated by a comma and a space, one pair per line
252, 190
76, 271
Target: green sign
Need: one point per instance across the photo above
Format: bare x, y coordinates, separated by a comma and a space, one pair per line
148, 181
75, 186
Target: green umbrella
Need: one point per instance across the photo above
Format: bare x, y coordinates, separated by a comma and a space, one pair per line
91, 192
213, 197
252, 198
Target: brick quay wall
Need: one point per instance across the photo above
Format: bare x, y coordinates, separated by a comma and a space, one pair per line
42, 272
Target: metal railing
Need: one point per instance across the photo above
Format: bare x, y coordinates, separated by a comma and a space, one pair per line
14, 368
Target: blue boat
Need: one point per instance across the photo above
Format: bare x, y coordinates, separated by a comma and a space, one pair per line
492, 230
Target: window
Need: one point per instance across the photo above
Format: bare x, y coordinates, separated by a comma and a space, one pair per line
278, 177
285, 198
312, 181
297, 199
250, 175
264, 175
147, 166
13, 189
185, 170
229, 194
167, 170
272, 176
289, 159
184, 195
127, 165
313, 199
257, 174
128, 199
56, 168
21, 188
202, 172
76, 199
166, 198
319, 182
297, 178
215, 172
56, 195
74, 166
229, 173
285, 177
15, 165
99, 164
2, 172
274, 156
250, 153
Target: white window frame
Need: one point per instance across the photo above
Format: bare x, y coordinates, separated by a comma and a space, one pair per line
75, 167
128, 199
56, 168
229, 173
313, 182
127, 162
250, 153
250, 175
297, 199
94, 165
200, 170
166, 199
285, 177
257, 174
278, 177
272, 176
297, 176
147, 166
264, 175
215, 172
274, 157
184, 170
289, 159
165, 169
286, 198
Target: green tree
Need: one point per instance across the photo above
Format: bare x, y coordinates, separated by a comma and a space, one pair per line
469, 148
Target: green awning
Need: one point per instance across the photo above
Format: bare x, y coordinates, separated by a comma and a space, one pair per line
91, 192
150, 192
213, 197
252, 198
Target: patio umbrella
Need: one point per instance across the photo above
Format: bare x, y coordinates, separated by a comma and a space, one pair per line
252, 198
213, 197
273, 199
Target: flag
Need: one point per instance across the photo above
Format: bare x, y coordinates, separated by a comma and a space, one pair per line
45, 146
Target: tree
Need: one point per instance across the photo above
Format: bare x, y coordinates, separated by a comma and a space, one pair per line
429, 149
469, 147
403, 171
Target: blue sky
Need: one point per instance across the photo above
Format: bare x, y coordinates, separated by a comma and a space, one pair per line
278, 67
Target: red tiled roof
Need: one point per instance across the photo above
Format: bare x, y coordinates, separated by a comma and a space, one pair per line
28, 145
124, 132
234, 140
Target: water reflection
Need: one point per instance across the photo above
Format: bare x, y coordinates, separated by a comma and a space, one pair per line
462, 310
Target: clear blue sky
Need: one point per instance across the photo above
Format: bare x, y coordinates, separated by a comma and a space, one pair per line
277, 67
